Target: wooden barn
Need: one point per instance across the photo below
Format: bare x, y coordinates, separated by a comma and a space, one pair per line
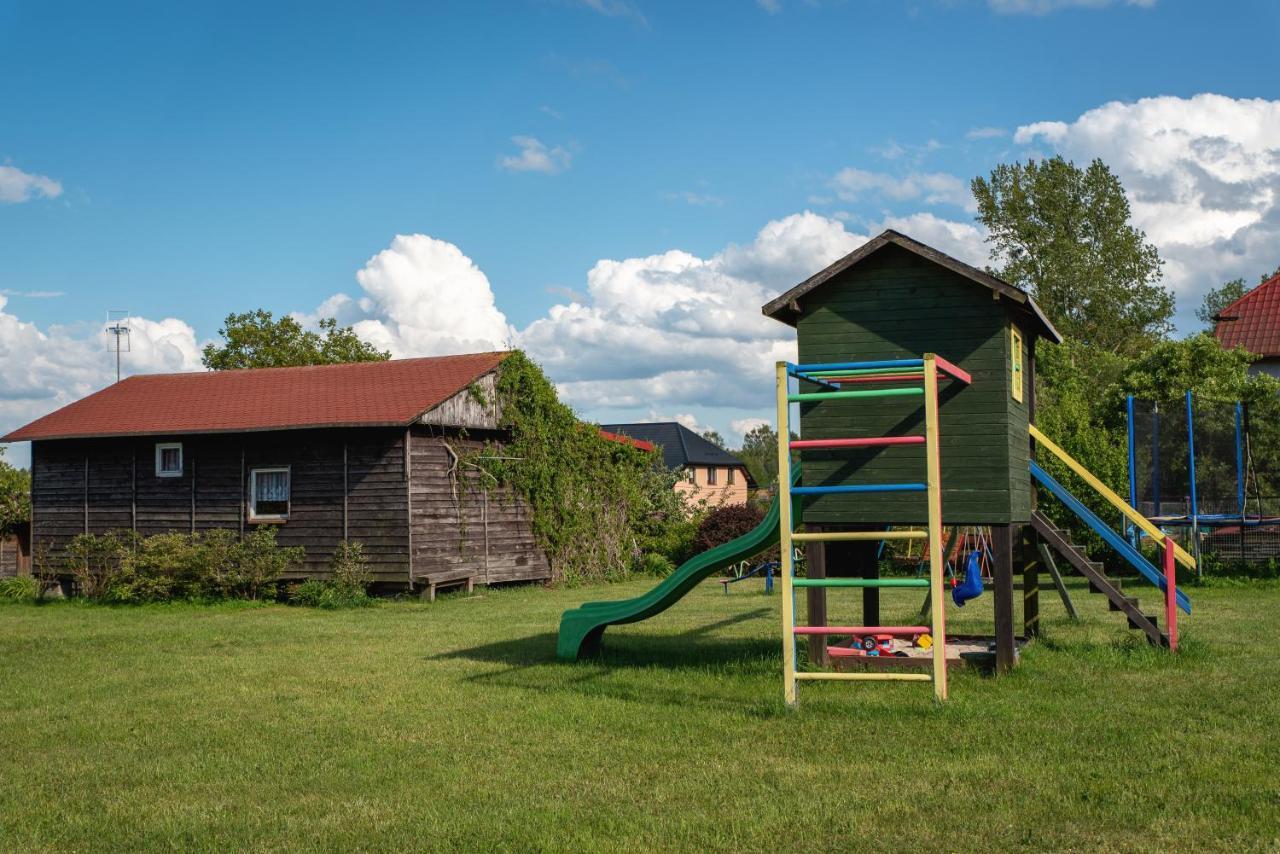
367, 452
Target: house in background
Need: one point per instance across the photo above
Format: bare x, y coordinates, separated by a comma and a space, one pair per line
1253, 322
366, 452
711, 474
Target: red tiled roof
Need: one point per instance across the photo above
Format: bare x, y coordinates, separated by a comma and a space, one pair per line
1253, 321
627, 440
364, 394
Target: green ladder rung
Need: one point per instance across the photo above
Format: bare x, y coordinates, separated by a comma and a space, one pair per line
861, 582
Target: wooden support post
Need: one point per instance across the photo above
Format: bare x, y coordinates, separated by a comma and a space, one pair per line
1002, 575
86, 493
816, 567
1030, 584
346, 489
1051, 565
866, 566
193, 491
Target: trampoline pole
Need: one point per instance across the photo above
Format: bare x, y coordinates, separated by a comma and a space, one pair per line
1239, 460
1191, 459
1133, 470
1155, 457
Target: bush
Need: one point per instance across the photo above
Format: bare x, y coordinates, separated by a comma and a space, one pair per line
123, 567
19, 588
655, 564
673, 541
725, 523
347, 586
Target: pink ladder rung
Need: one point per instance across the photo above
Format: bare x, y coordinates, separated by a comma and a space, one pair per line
878, 378
871, 442
862, 630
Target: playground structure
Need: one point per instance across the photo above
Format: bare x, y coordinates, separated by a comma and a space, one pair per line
855, 476
1193, 470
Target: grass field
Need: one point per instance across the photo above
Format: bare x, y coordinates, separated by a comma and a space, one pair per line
450, 726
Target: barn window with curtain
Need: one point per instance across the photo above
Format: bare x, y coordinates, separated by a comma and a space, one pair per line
269, 494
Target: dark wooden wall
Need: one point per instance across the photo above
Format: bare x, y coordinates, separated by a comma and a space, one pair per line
110, 484
469, 527
103, 485
897, 305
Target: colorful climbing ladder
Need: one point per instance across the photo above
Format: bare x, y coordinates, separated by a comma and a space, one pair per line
922, 376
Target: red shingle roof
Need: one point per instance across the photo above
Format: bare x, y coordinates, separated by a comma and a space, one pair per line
627, 440
1253, 321
365, 394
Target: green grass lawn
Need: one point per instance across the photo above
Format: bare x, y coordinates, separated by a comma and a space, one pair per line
451, 726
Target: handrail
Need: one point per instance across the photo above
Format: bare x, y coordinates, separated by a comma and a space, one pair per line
1119, 503
1117, 542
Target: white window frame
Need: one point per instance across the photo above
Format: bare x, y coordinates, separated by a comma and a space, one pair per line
729, 476
254, 515
711, 476
161, 447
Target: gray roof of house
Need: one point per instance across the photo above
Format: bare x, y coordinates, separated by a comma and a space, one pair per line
680, 445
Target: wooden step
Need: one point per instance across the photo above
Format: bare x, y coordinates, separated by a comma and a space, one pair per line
1154, 620
1112, 605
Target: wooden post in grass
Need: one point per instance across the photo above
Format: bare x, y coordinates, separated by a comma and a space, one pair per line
1002, 575
816, 597
1030, 584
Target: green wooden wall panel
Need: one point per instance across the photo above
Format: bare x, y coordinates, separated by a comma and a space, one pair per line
897, 305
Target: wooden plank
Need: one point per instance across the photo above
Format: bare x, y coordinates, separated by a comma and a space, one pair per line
1030, 584
1002, 578
816, 598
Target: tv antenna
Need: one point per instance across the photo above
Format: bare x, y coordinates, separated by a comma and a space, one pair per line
118, 329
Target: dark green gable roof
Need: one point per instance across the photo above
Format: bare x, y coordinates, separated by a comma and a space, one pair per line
786, 308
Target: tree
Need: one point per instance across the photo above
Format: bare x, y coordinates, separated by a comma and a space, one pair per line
760, 454
256, 339
714, 437
15, 496
1219, 298
1063, 234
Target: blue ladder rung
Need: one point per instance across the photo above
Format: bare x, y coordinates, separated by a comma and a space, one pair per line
858, 487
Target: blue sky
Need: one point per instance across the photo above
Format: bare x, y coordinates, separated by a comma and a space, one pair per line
186, 160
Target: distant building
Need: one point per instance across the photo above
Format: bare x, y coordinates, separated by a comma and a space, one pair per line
1253, 322
711, 473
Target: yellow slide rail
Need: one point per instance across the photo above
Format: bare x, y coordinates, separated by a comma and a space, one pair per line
1116, 501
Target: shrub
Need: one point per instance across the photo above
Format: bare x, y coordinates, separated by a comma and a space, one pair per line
724, 523
655, 564
347, 586
123, 567
21, 588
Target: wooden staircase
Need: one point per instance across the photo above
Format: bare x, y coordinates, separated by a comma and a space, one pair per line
1099, 582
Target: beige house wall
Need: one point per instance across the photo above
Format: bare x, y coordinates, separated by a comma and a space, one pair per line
697, 488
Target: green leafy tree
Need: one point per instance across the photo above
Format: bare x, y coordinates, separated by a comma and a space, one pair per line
1219, 298
759, 453
1063, 234
256, 339
15, 496
714, 437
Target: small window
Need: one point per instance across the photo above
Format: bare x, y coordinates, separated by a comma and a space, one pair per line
269, 494
711, 476
1015, 362
729, 480
693, 475
168, 459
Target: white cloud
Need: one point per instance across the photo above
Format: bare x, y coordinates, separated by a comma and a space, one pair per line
743, 426
696, 199
44, 369
18, 186
1202, 174
852, 184
10, 292
773, 7
986, 133
674, 330
614, 9
535, 156
963, 241
421, 297
1044, 7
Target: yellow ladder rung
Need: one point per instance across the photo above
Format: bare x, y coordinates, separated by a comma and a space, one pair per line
848, 536
866, 677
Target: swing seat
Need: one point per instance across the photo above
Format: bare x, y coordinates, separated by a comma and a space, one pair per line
971, 587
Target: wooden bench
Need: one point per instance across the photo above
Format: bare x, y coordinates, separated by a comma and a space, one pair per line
453, 578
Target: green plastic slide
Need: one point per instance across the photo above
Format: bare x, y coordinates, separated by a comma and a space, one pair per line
581, 628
